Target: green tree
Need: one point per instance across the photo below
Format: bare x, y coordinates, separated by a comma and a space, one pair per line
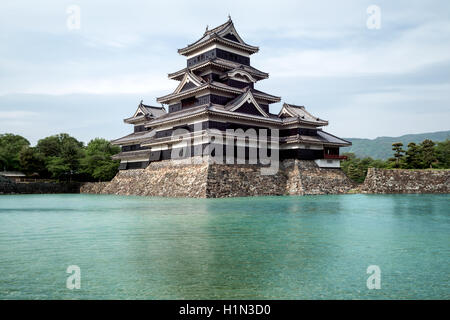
10, 147
97, 161
398, 154
443, 154
58, 168
428, 153
356, 169
106, 171
52, 146
31, 161
413, 156
62, 154
353, 172
345, 165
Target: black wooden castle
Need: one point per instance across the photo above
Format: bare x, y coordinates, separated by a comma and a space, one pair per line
217, 90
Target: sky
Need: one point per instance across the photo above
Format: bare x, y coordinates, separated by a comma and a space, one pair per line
369, 73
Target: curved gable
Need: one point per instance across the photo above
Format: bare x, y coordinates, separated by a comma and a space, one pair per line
246, 103
189, 81
241, 75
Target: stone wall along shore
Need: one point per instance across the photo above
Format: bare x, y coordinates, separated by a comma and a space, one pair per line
406, 181
201, 179
9, 187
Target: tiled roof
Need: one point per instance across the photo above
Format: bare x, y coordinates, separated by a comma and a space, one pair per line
218, 86
321, 137
180, 114
222, 63
235, 101
145, 112
154, 111
331, 138
301, 113
218, 34
135, 136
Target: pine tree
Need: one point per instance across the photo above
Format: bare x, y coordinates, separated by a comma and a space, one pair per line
353, 172
413, 155
398, 154
428, 153
443, 154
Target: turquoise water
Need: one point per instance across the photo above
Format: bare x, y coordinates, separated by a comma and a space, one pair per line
311, 247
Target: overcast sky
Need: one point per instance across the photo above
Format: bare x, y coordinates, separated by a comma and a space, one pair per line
367, 82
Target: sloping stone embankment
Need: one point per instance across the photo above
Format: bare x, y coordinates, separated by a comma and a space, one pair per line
406, 181
158, 179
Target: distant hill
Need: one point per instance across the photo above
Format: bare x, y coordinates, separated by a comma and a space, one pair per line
381, 147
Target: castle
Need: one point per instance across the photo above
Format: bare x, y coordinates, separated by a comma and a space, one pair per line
216, 91
218, 119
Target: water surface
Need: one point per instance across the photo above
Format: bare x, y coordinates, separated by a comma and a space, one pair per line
311, 247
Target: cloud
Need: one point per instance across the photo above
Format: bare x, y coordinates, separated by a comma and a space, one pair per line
14, 115
409, 51
319, 54
124, 84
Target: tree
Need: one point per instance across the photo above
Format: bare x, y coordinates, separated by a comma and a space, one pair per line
398, 153
106, 171
443, 154
356, 169
52, 146
353, 172
413, 156
62, 154
10, 146
58, 168
97, 161
31, 161
428, 153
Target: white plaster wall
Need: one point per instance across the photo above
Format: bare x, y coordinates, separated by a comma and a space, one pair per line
328, 163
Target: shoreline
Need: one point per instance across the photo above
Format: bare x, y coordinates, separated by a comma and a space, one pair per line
297, 180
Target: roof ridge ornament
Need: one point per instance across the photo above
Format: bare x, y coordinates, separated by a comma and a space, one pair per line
229, 17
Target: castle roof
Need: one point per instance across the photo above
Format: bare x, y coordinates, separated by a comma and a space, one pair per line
133, 137
294, 111
320, 137
225, 34
145, 112
246, 97
223, 64
214, 85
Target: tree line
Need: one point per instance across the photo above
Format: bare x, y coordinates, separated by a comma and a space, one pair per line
60, 157
425, 155
63, 157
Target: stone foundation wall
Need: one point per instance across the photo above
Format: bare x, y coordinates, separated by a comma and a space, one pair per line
162, 179
172, 178
406, 181
93, 187
243, 181
315, 180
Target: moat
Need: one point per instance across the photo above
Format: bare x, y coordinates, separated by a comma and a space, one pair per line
310, 247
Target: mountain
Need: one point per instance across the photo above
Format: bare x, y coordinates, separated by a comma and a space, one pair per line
381, 147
